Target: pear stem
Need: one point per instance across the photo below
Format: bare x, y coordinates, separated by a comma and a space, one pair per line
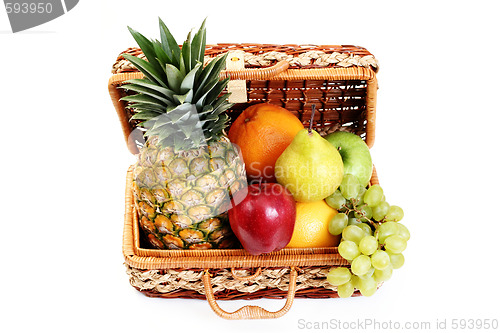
313, 109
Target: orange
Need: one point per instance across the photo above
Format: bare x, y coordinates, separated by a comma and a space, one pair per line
263, 131
311, 225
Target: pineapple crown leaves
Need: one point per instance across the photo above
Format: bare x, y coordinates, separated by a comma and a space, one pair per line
178, 100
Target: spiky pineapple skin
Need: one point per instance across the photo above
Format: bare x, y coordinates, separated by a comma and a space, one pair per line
182, 197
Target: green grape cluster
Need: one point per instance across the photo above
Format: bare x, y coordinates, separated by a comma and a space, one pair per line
373, 239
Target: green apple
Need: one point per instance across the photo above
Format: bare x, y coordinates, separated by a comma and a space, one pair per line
355, 155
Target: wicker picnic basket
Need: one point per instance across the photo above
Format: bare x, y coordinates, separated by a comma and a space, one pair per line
341, 82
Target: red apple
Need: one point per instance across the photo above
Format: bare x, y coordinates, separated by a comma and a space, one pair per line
264, 220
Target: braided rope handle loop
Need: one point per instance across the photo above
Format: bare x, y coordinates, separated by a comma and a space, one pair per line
250, 311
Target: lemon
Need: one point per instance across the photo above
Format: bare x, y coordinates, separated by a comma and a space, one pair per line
311, 225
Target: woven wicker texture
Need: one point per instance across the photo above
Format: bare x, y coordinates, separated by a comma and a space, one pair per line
168, 280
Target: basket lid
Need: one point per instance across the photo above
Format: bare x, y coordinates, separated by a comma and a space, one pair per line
266, 55
340, 79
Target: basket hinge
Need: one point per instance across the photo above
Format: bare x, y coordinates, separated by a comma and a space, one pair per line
238, 88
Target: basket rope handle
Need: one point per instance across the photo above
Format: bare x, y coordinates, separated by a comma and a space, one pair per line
250, 311
256, 73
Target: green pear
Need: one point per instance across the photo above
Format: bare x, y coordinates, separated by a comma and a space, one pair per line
310, 167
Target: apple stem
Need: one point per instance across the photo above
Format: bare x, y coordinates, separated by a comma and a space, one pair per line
313, 109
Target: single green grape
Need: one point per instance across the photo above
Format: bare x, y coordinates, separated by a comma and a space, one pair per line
353, 233
367, 287
355, 281
349, 187
339, 275
367, 274
380, 210
363, 213
361, 195
348, 250
380, 260
346, 290
361, 265
395, 244
366, 228
383, 275
336, 200
385, 230
337, 224
373, 195
395, 213
397, 259
403, 232
368, 245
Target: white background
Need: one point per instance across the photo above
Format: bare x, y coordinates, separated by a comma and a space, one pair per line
64, 160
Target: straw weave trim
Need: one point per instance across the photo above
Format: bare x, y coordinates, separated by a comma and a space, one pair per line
192, 280
318, 58
310, 58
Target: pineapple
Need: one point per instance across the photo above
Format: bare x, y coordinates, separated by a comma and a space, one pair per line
187, 172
